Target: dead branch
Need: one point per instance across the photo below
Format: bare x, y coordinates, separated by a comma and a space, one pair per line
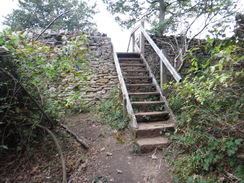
50, 24
78, 139
232, 176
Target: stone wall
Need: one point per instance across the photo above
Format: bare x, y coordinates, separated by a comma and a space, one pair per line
102, 77
104, 71
169, 46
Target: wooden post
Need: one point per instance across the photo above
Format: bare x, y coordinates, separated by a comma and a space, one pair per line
163, 71
142, 44
124, 107
133, 42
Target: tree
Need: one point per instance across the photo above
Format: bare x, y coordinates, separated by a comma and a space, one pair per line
39, 13
184, 18
171, 12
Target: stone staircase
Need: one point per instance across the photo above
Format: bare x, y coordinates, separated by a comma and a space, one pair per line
153, 116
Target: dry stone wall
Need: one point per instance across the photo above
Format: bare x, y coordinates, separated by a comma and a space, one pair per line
170, 46
167, 44
102, 77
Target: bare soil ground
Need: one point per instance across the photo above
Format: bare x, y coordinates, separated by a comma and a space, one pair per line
107, 160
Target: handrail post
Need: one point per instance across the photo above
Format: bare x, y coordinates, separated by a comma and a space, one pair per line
142, 45
124, 106
163, 71
133, 42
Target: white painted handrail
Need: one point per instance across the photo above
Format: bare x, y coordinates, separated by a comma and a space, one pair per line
162, 57
128, 105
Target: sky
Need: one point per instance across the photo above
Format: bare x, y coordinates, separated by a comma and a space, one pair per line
104, 20
105, 23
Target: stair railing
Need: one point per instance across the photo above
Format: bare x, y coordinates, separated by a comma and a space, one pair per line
164, 62
126, 100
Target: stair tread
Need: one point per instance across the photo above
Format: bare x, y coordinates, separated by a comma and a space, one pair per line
135, 70
154, 113
138, 77
143, 84
132, 64
144, 93
128, 55
155, 125
130, 59
147, 102
152, 141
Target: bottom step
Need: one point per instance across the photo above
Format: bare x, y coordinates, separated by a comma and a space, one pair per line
148, 144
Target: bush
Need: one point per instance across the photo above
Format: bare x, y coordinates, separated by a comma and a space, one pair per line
211, 116
52, 76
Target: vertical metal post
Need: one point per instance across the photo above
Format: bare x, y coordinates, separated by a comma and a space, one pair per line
133, 42
163, 71
142, 44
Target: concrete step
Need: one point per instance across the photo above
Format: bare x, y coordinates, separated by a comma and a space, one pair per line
154, 129
148, 144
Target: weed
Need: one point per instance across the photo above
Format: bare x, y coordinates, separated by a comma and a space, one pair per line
111, 111
209, 104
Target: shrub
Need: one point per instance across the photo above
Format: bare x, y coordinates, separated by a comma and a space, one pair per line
52, 76
211, 116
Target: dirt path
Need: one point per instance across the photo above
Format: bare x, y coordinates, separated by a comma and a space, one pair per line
110, 161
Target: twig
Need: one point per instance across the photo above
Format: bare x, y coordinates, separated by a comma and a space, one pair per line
232, 176
78, 139
59, 150
50, 24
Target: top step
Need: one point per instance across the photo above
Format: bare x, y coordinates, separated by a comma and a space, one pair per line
128, 55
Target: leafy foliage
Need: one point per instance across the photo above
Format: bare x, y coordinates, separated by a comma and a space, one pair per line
38, 14
211, 114
111, 111
170, 16
53, 77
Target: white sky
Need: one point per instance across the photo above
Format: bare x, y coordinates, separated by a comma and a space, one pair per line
104, 20
105, 23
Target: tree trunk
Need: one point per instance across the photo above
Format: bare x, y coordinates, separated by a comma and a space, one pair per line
162, 11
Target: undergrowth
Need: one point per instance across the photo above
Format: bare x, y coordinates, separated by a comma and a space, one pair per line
209, 107
111, 111
54, 78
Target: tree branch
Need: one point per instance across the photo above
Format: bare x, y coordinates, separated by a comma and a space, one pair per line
59, 150
78, 139
51, 24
